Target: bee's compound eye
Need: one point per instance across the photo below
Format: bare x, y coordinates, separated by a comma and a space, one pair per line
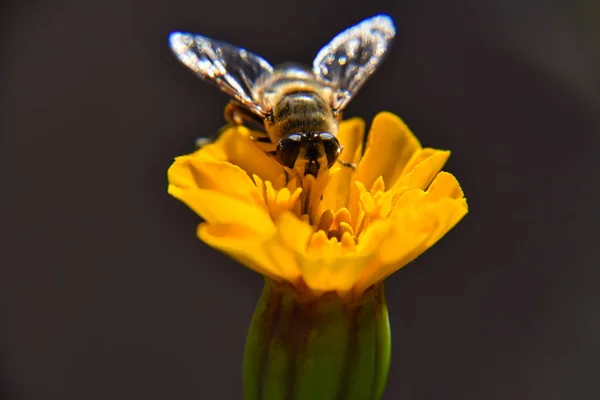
332, 148
288, 149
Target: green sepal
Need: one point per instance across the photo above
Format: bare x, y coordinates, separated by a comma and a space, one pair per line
303, 347
277, 373
322, 350
257, 343
362, 369
384, 347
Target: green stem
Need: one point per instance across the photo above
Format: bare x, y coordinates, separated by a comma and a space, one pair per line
311, 348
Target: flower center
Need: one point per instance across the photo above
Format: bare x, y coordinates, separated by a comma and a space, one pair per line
302, 196
336, 225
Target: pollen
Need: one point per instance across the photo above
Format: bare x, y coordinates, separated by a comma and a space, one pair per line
337, 227
278, 201
302, 196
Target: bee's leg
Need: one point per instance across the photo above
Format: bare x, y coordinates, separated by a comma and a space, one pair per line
347, 164
344, 163
237, 114
203, 141
265, 144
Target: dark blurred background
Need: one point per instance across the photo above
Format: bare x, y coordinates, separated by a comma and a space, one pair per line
105, 292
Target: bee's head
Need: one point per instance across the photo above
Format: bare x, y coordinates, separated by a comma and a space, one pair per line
308, 152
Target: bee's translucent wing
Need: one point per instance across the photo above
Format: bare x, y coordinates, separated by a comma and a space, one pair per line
233, 69
352, 56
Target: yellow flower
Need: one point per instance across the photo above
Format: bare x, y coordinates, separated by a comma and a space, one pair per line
344, 231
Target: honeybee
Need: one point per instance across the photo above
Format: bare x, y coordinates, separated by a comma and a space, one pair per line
298, 109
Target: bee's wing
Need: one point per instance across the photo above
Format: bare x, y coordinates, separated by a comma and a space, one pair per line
352, 56
233, 69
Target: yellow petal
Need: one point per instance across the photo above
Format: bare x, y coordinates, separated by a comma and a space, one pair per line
296, 235
236, 147
370, 241
351, 136
445, 185
419, 219
219, 209
331, 270
417, 157
335, 195
449, 213
325, 265
189, 172
293, 232
423, 173
390, 146
419, 177
396, 242
246, 247
283, 257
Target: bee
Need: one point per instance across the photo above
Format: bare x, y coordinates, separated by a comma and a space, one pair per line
297, 108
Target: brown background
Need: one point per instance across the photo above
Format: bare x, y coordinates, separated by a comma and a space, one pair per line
105, 293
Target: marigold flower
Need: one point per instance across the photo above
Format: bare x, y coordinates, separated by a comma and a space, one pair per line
325, 245
344, 231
